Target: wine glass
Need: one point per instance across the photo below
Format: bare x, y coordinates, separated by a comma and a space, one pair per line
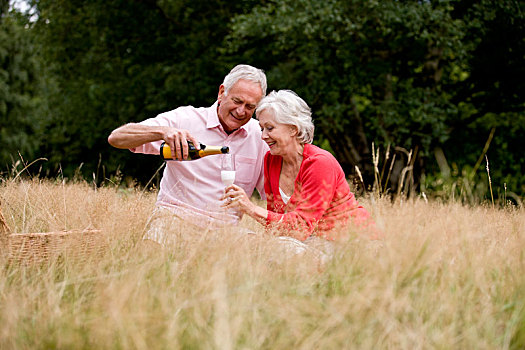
227, 169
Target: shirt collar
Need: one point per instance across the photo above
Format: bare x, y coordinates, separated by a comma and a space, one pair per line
213, 117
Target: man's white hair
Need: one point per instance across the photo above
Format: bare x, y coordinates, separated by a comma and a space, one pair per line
288, 108
245, 72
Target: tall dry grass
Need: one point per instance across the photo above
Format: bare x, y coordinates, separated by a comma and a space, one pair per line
445, 276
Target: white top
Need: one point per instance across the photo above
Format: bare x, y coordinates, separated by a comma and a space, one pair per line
284, 196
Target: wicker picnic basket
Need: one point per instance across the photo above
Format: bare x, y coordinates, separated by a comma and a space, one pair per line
44, 246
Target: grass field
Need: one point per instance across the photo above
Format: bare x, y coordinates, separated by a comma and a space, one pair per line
445, 276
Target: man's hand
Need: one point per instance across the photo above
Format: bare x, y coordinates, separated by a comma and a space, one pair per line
133, 135
178, 139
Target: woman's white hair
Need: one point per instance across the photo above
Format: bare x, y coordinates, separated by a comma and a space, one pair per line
288, 108
245, 72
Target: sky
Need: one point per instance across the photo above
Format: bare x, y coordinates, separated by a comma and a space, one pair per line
22, 6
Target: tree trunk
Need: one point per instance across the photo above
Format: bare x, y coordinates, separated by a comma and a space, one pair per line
351, 148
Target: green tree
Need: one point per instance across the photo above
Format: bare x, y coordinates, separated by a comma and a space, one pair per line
490, 93
415, 74
18, 84
372, 71
119, 61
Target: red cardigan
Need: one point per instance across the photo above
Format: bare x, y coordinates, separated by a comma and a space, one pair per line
321, 200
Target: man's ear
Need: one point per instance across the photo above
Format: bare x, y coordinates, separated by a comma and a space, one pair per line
221, 94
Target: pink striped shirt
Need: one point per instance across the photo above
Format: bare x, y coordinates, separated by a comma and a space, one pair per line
193, 188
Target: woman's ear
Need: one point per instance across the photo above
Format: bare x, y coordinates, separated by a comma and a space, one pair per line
294, 131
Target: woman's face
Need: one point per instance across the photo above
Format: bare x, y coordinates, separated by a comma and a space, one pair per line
281, 138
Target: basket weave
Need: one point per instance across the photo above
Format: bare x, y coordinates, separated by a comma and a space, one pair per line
41, 247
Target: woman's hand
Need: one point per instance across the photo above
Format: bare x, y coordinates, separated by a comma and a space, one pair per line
235, 197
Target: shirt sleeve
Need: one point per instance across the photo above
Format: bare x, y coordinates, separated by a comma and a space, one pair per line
315, 190
163, 119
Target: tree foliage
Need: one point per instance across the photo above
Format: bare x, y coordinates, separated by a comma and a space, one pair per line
413, 74
18, 85
490, 96
416, 75
113, 62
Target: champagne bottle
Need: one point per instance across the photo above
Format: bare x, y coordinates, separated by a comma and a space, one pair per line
193, 153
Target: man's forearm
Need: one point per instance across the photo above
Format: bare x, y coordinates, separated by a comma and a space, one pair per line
134, 135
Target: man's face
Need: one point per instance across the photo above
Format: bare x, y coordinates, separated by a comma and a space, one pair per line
237, 108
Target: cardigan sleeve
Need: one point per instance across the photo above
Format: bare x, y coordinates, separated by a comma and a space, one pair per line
313, 194
267, 183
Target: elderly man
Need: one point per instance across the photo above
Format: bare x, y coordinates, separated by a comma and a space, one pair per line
191, 190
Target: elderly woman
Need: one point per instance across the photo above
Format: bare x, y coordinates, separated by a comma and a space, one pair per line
306, 189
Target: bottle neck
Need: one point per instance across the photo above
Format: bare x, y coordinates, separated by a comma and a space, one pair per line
209, 150
165, 151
